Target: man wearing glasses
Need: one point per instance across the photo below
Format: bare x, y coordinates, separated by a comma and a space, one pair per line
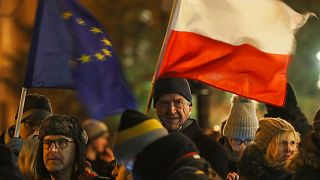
61, 151
172, 101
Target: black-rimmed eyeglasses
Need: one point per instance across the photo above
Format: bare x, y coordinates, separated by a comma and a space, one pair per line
236, 141
59, 143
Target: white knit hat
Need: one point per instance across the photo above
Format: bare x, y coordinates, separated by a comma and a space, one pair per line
242, 121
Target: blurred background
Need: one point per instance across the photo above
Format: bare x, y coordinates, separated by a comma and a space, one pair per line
137, 29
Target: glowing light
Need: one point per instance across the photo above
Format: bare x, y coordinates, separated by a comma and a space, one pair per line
216, 128
318, 55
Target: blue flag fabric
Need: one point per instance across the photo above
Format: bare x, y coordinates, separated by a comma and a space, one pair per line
71, 50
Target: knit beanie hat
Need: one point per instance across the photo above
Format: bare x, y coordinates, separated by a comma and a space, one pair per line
171, 86
95, 129
242, 121
268, 128
136, 131
36, 108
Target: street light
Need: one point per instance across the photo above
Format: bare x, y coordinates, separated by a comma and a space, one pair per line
318, 55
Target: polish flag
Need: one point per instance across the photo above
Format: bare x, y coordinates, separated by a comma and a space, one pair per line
243, 47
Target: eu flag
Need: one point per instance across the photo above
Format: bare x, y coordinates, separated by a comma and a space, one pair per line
71, 50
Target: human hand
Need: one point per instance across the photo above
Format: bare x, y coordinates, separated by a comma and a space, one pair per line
107, 155
232, 176
15, 145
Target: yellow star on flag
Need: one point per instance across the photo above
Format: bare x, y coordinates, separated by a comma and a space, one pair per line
106, 52
81, 21
99, 56
106, 42
66, 15
96, 30
84, 58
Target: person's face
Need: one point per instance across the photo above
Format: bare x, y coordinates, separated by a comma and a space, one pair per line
286, 148
238, 145
100, 144
25, 129
58, 153
173, 110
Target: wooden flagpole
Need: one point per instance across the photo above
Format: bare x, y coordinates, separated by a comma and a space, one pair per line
20, 111
164, 45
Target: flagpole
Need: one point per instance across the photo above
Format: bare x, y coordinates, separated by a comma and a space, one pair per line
164, 44
149, 98
20, 111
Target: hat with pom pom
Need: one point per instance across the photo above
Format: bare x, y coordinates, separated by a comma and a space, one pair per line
242, 121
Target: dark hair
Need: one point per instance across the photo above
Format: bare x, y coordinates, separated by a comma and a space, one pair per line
67, 126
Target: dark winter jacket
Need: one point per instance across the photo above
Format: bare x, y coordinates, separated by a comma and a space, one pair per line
210, 150
173, 157
233, 165
306, 163
254, 167
8, 170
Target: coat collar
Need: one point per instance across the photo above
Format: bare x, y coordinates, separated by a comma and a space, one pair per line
192, 130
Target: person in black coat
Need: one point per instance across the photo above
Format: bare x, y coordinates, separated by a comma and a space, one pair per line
146, 149
172, 101
305, 165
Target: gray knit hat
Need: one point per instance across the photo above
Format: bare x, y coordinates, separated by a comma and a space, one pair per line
242, 121
95, 129
269, 128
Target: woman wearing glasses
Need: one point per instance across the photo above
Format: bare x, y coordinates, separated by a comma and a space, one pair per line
239, 132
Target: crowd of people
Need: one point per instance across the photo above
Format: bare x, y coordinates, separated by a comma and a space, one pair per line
280, 146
